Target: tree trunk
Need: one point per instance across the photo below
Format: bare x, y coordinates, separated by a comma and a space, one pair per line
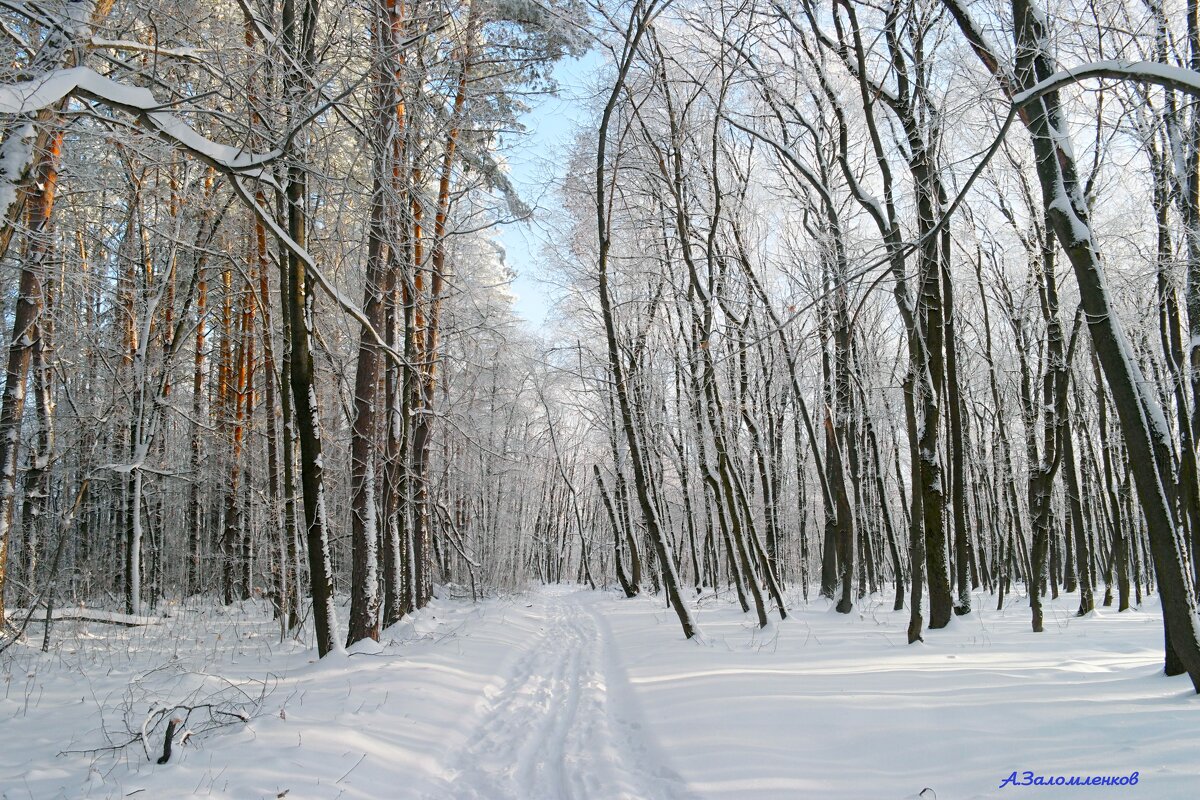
298, 38
638, 25
25, 332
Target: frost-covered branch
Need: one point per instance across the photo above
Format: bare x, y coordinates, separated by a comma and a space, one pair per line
131, 46
16, 157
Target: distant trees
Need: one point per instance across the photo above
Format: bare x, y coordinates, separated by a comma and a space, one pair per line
423, 153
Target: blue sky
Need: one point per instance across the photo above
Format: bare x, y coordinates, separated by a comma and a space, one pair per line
537, 161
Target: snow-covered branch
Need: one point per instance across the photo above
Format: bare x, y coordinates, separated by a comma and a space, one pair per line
345, 303
1165, 75
16, 156
34, 95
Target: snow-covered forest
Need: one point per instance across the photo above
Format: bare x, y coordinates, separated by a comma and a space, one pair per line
856, 457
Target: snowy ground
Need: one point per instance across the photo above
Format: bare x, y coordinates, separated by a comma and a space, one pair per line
560, 693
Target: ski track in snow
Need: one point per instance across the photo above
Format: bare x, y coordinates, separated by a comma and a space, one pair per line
561, 693
565, 725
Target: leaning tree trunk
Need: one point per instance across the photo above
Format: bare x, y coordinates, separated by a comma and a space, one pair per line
638, 25
1143, 424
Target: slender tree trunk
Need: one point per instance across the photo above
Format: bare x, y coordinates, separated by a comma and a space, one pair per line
298, 38
364, 582
916, 547
638, 25
963, 550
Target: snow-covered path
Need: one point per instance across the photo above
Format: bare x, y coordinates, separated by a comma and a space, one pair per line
565, 724
564, 694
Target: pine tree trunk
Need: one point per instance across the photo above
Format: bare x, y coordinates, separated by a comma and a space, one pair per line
25, 331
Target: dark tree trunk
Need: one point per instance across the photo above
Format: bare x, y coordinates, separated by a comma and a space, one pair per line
298, 38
